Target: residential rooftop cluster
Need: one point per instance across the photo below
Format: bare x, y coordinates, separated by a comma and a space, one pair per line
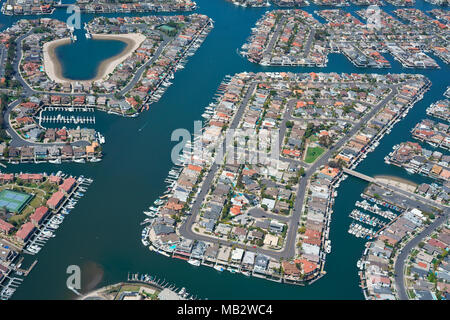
403, 97
432, 132
303, 3
56, 153
28, 7
38, 30
434, 163
20, 220
249, 200
401, 3
436, 191
32, 63
181, 36
295, 37
415, 159
377, 276
307, 140
378, 265
440, 109
23, 120
428, 267
131, 6
135, 83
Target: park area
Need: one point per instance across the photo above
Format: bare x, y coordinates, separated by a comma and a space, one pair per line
313, 153
21, 201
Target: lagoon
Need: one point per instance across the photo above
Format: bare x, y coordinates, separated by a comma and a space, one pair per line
81, 60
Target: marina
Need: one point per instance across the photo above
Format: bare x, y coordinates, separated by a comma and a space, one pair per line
44, 229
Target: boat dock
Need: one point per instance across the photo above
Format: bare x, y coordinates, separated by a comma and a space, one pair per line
66, 119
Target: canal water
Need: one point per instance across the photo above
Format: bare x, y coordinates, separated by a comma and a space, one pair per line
102, 234
86, 53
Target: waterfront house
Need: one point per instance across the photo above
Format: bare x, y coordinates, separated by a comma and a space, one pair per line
55, 200
223, 254
68, 185
25, 232
5, 227
198, 250
27, 153
290, 269
40, 152
211, 252
39, 215
236, 255
31, 177
67, 151
13, 152
248, 260
6, 178
261, 262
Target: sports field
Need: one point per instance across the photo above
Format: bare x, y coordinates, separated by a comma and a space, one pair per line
14, 201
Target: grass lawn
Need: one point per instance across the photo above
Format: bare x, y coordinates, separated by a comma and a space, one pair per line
127, 287
39, 199
313, 153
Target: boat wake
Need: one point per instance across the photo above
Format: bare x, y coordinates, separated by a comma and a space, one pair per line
141, 128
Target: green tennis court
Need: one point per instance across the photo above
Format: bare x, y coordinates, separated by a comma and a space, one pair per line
14, 201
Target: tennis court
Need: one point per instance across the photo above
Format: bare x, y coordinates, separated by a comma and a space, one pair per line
14, 201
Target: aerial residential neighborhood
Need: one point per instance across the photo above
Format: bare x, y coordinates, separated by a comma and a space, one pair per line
217, 150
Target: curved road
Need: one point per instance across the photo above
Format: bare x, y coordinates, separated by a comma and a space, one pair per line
289, 248
401, 259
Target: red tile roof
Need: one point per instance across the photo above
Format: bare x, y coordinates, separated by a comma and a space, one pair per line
38, 214
55, 199
25, 230
5, 226
68, 184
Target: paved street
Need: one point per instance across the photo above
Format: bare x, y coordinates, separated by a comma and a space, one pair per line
294, 220
401, 259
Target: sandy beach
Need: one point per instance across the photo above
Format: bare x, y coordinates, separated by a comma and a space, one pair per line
51, 64
53, 68
397, 182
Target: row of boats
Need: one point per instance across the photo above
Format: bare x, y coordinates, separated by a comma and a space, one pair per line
178, 65
366, 218
382, 203
59, 118
160, 284
153, 210
359, 231
46, 231
69, 109
209, 110
375, 209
